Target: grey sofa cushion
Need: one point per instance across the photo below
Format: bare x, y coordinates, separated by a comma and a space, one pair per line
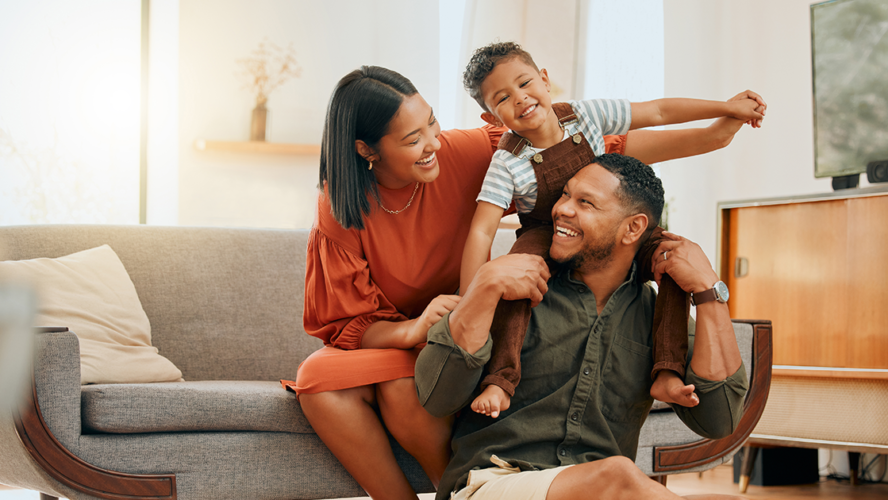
191, 406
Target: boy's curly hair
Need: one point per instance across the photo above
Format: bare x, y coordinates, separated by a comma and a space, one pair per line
484, 60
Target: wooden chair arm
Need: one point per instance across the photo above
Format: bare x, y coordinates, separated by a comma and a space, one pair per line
681, 457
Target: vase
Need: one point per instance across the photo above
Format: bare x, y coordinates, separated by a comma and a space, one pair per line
257, 125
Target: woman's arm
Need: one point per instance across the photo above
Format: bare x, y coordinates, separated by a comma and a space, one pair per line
652, 146
477, 250
410, 333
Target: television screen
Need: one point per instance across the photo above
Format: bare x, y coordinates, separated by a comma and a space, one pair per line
849, 44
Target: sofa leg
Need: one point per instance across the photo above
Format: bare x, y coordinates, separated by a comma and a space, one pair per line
44, 496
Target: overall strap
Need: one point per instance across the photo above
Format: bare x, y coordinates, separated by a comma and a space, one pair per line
565, 113
514, 143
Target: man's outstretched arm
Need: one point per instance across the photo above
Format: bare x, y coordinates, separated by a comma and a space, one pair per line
449, 367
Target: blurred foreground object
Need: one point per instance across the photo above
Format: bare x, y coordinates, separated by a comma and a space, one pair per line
17, 306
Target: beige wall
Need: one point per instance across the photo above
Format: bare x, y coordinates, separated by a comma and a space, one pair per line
331, 39
713, 50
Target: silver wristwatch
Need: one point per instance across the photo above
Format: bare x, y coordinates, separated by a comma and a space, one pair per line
719, 292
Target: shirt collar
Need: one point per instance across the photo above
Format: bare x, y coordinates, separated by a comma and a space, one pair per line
564, 275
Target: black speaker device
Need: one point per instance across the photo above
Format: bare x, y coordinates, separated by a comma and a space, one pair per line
877, 171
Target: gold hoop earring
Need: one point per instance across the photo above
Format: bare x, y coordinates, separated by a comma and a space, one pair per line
371, 165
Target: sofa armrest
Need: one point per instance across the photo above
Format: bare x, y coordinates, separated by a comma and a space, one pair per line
53, 405
57, 384
671, 459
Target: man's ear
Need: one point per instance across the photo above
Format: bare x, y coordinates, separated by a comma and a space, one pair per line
635, 227
491, 119
365, 151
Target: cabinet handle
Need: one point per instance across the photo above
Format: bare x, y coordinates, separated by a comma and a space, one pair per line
741, 267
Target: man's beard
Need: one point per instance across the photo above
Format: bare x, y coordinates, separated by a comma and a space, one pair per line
596, 255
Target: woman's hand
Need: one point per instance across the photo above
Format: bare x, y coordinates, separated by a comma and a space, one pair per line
762, 108
748, 110
437, 308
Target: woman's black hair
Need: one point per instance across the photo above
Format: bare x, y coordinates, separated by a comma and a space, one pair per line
361, 107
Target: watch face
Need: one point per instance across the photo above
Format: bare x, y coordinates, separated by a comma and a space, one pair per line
722, 291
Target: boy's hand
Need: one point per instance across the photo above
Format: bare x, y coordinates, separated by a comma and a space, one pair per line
748, 110
763, 106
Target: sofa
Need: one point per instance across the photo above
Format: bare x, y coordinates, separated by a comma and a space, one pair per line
225, 306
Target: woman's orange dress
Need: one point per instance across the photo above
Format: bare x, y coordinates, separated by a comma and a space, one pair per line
393, 268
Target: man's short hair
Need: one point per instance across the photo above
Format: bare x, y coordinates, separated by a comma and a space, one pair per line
640, 190
484, 60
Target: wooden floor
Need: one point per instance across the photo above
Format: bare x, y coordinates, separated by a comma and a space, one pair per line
721, 480
718, 480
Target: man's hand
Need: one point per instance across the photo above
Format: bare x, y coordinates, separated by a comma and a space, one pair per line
762, 106
685, 262
510, 277
515, 277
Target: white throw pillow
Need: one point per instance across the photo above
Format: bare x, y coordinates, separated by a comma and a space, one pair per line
91, 293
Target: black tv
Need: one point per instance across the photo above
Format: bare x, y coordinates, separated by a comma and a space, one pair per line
849, 47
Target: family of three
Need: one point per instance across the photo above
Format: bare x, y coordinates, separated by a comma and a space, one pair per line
528, 376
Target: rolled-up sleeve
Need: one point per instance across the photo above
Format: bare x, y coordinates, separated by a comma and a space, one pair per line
446, 375
721, 404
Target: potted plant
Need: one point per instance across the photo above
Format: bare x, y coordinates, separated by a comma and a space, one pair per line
268, 67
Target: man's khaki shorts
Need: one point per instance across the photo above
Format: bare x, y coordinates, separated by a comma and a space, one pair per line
505, 482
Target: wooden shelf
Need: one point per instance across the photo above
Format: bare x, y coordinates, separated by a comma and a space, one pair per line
257, 147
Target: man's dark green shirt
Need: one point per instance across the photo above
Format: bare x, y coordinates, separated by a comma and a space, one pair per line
585, 385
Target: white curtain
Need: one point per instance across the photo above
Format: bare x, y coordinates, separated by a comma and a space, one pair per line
591, 48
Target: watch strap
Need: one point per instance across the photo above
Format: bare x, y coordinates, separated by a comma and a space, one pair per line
703, 297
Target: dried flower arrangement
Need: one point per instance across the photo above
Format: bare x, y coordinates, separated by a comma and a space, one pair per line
268, 67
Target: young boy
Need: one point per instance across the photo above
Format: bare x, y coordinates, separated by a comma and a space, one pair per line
546, 146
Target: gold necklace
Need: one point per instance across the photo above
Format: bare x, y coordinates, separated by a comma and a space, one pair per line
396, 212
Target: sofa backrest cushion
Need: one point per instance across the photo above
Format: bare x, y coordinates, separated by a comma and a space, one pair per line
224, 304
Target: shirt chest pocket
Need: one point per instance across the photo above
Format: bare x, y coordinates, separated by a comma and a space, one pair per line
626, 381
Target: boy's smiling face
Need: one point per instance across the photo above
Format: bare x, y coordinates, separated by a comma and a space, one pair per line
517, 96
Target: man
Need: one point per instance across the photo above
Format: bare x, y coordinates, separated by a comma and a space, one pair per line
572, 429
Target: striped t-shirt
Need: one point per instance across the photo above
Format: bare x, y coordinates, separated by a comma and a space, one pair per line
511, 177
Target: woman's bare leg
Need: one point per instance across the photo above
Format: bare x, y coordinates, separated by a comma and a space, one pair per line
348, 424
425, 437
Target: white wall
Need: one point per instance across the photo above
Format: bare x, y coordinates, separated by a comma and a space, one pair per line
331, 39
69, 112
713, 50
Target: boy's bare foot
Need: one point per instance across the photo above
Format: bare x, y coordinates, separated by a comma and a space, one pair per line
669, 388
492, 401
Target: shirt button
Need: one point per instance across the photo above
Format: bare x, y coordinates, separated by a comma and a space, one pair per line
586, 371
563, 453
574, 417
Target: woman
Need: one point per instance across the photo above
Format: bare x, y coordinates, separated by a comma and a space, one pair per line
383, 264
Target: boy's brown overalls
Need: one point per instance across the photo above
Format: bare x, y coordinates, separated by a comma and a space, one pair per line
558, 164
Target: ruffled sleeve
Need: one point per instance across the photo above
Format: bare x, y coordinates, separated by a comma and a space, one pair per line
495, 134
341, 301
615, 144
